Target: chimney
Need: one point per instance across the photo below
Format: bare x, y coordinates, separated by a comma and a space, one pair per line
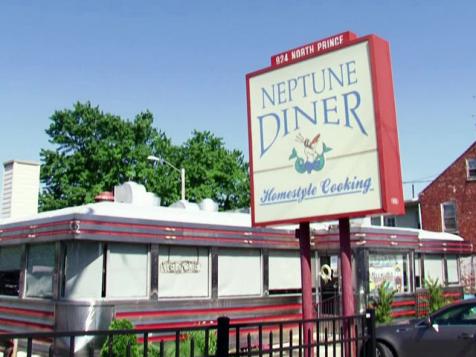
21, 186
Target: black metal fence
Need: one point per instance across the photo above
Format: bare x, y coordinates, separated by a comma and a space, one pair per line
324, 337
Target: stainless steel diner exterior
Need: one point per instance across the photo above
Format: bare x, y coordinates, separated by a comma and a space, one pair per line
80, 267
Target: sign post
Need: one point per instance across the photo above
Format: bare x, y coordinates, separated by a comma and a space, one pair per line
304, 235
348, 306
323, 143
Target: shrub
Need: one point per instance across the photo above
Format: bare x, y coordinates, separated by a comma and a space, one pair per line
199, 340
199, 344
382, 303
153, 350
436, 300
120, 342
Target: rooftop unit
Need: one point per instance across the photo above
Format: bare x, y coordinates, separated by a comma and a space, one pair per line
21, 185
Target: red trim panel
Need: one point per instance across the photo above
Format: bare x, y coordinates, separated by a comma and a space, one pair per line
27, 312
138, 314
28, 325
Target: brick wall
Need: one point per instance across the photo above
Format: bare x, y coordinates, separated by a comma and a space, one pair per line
452, 185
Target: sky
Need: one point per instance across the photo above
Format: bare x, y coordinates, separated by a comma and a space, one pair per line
186, 62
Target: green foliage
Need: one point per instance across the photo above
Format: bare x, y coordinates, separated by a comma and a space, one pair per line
383, 303
120, 342
153, 350
213, 171
94, 151
436, 300
199, 344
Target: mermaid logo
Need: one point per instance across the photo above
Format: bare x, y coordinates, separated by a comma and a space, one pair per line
313, 160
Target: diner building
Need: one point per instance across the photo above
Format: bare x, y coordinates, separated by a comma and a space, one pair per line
78, 268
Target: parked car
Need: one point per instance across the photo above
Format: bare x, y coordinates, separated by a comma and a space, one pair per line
451, 331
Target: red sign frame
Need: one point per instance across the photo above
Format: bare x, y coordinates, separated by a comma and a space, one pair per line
392, 201
312, 49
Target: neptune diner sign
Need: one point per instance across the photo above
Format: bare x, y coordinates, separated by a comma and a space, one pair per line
323, 136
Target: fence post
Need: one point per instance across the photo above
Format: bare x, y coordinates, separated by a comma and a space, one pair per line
371, 344
223, 333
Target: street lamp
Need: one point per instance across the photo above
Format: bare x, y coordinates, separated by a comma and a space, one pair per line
182, 171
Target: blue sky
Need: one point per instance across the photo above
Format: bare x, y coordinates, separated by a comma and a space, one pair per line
186, 61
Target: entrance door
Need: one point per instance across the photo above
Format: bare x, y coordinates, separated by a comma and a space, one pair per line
329, 285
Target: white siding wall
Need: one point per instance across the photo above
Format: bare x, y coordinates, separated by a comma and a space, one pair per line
21, 185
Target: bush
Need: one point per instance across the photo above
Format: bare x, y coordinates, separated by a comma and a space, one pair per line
120, 342
199, 340
436, 300
199, 344
152, 350
382, 303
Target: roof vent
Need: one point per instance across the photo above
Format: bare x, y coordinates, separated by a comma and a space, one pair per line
184, 204
134, 193
208, 205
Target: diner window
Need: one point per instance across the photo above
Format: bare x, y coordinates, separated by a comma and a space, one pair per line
239, 272
285, 272
467, 267
452, 269
40, 267
10, 268
83, 267
433, 265
184, 272
390, 221
449, 217
471, 169
127, 270
391, 268
418, 282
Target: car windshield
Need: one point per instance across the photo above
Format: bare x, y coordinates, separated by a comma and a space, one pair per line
458, 315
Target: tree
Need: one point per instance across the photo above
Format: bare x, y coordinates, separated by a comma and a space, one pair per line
215, 172
96, 151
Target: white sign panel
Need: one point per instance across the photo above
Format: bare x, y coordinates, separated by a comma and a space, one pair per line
313, 134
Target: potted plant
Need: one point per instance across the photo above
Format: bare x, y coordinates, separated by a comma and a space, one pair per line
436, 299
382, 303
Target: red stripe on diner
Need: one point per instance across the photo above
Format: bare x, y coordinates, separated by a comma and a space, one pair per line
244, 232
188, 324
169, 338
403, 303
404, 313
206, 311
173, 325
452, 294
368, 234
268, 318
36, 226
165, 338
35, 235
27, 312
181, 238
35, 325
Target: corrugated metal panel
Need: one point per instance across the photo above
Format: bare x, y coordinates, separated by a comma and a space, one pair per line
26, 315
